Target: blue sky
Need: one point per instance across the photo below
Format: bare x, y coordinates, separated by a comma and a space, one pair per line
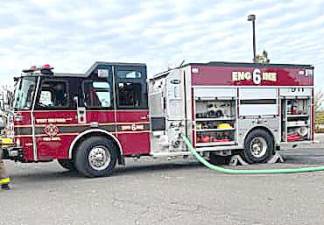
71, 35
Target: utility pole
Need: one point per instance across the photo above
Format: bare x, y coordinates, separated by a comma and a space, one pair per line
252, 17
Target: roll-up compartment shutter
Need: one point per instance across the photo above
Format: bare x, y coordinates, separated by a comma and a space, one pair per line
258, 101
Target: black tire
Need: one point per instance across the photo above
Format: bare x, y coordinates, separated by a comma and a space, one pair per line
87, 151
66, 164
219, 160
258, 147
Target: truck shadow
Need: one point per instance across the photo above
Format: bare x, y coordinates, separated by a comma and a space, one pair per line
137, 168
306, 160
156, 167
46, 175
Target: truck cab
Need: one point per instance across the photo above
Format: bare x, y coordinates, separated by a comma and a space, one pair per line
54, 113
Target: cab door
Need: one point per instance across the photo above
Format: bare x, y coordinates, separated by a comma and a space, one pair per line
133, 127
55, 119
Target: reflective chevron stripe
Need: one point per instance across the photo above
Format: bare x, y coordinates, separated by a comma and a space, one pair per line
127, 127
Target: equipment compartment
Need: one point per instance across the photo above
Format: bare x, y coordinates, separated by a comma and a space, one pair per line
296, 119
215, 122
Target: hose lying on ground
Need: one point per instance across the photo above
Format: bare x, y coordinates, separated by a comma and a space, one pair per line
259, 171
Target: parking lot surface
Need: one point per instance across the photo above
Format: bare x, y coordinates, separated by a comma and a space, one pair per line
163, 191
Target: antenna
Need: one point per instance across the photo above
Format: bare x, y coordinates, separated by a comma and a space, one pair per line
181, 64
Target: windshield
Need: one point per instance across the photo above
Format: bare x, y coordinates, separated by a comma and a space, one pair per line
24, 93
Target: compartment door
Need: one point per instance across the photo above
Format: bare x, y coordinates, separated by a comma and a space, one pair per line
258, 102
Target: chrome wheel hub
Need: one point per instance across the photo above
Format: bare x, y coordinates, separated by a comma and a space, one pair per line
99, 158
258, 147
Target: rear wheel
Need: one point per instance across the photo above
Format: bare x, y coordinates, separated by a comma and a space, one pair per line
66, 164
258, 146
96, 157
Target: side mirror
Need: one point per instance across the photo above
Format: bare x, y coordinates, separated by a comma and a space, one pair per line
76, 100
2, 105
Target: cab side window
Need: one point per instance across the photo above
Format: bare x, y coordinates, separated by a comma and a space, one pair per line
97, 94
129, 94
131, 89
53, 94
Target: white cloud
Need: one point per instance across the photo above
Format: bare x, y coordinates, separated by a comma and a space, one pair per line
71, 35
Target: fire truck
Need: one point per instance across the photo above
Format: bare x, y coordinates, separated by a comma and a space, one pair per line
89, 122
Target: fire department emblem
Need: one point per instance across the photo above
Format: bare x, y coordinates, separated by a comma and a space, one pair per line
51, 130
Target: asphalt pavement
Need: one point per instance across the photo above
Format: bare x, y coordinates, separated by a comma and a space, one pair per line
160, 191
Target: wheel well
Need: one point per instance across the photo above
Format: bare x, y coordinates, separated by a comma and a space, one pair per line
98, 134
261, 128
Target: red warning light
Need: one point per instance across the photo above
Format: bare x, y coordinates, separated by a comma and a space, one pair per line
33, 68
47, 67
30, 70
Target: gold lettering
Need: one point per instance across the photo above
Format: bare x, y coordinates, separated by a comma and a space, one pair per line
238, 76
234, 76
140, 127
51, 139
126, 127
41, 120
269, 76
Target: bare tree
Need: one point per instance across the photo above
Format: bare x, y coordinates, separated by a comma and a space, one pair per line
318, 100
262, 58
6, 96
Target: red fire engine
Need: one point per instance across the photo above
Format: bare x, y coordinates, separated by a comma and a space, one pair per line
91, 121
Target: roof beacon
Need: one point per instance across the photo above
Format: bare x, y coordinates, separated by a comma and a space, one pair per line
46, 69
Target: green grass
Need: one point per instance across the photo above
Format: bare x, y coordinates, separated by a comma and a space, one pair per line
319, 120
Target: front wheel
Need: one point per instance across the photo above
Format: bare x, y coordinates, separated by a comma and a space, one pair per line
258, 147
96, 157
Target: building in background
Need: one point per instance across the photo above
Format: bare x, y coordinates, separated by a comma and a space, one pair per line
6, 97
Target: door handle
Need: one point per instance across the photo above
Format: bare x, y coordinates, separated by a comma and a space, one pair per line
81, 113
18, 117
